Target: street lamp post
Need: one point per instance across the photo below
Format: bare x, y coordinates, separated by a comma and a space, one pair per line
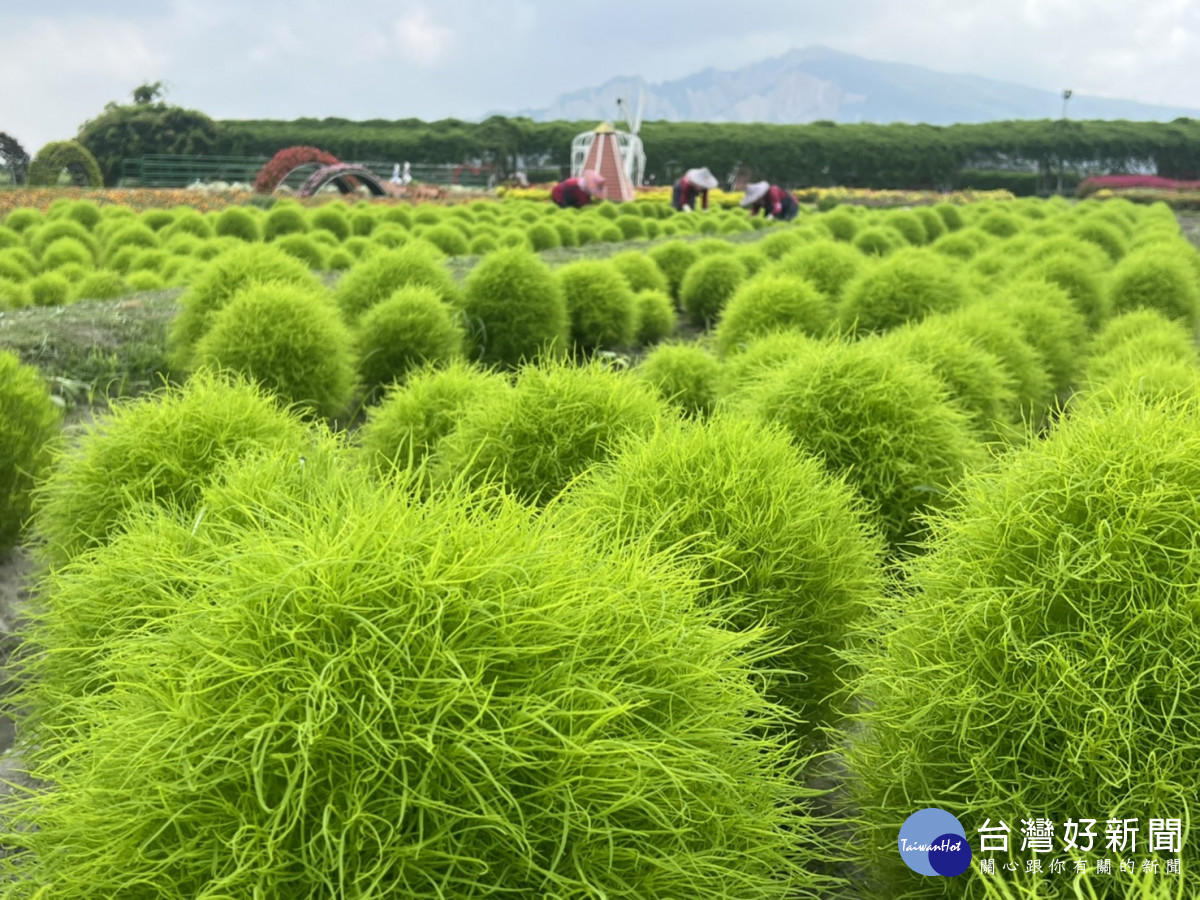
1066, 96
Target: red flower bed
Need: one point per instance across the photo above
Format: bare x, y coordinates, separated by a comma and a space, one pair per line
1089, 186
278, 166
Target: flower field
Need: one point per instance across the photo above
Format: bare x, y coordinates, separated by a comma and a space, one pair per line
496, 550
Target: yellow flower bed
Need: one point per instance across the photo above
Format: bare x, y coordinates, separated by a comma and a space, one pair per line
731, 199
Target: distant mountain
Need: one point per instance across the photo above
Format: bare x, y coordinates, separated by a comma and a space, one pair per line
819, 83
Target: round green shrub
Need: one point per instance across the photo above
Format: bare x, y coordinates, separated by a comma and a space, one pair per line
931, 222
841, 225
673, 259
600, 304
1156, 380
85, 212
557, 421
22, 218
543, 236
684, 375
219, 281
48, 289
515, 309
144, 280
950, 215
1144, 335
412, 327
771, 303
41, 238
391, 236
102, 285
13, 294
73, 272
711, 491
18, 263
188, 221
156, 219
148, 260
883, 422
541, 696
977, 380
160, 449
449, 240
236, 222
905, 221
875, 241
640, 271
9, 238
67, 250
761, 356
655, 315
708, 285
1103, 235
414, 416
303, 248
610, 234
958, 246
385, 272
331, 219
288, 338
827, 265
904, 287
29, 424
1079, 280
998, 224
1152, 279
1051, 323
284, 218
1072, 556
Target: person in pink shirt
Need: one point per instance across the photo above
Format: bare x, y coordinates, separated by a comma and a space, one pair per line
575, 192
772, 200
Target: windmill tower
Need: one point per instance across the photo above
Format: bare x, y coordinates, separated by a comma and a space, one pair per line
629, 147
604, 155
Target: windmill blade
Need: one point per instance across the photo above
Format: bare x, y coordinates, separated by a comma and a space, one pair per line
637, 121
621, 102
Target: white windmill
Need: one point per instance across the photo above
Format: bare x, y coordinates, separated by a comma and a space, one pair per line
629, 144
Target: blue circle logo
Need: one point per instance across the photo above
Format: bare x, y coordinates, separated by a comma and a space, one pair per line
933, 842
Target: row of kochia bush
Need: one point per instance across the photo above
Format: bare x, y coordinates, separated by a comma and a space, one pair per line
563, 629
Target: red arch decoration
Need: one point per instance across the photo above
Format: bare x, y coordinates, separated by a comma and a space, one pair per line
345, 177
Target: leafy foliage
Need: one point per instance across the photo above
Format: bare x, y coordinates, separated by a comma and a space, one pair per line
29, 424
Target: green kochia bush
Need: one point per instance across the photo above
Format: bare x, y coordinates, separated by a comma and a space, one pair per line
1051, 323
356, 694
708, 285
288, 339
905, 287
29, 422
771, 303
402, 430
685, 375
414, 326
601, 305
377, 278
777, 538
161, 449
882, 421
556, 422
514, 308
1156, 278
828, 265
640, 271
655, 315
1139, 336
1044, 647
674, 258
221, 279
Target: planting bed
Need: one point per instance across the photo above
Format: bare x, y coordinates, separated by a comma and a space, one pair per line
497, 550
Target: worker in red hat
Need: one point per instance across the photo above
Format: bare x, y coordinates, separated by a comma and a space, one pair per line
772, 200
579, 191
694, 185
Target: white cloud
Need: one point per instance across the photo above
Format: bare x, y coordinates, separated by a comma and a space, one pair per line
420, 38
281, 41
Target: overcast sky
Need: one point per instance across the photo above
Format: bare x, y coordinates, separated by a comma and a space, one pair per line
60, 62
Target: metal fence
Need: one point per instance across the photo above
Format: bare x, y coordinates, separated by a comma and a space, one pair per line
177, 171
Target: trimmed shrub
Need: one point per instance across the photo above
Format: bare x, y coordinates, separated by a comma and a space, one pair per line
288, 338
515, 309
958, 246
157, 219
1051, 323
145, 280
159, 449
1073, 556
685, 375
303, 248
673, 259
708, 285
233, 221
102, 285
556, 422
875, 241
881, 421
41, 238
413, 417
482, 244
905, 287
600, 304
56, 156
1079, 281
1103, 235
331, 219
931, 222
48, 289
448, 239
219, 281
911, 228
977, 380
67, 250
841, 225
827, 265
390, 236
760, 356
655, 315
1155, 381
771, 303
13, 294
188, 221
950, 215
711, 492
1144, 335
1153, 279
640, 271
412, 327
544, 696
543, 236
284, 218
998, 224
29, 425
22, 218
377, 278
